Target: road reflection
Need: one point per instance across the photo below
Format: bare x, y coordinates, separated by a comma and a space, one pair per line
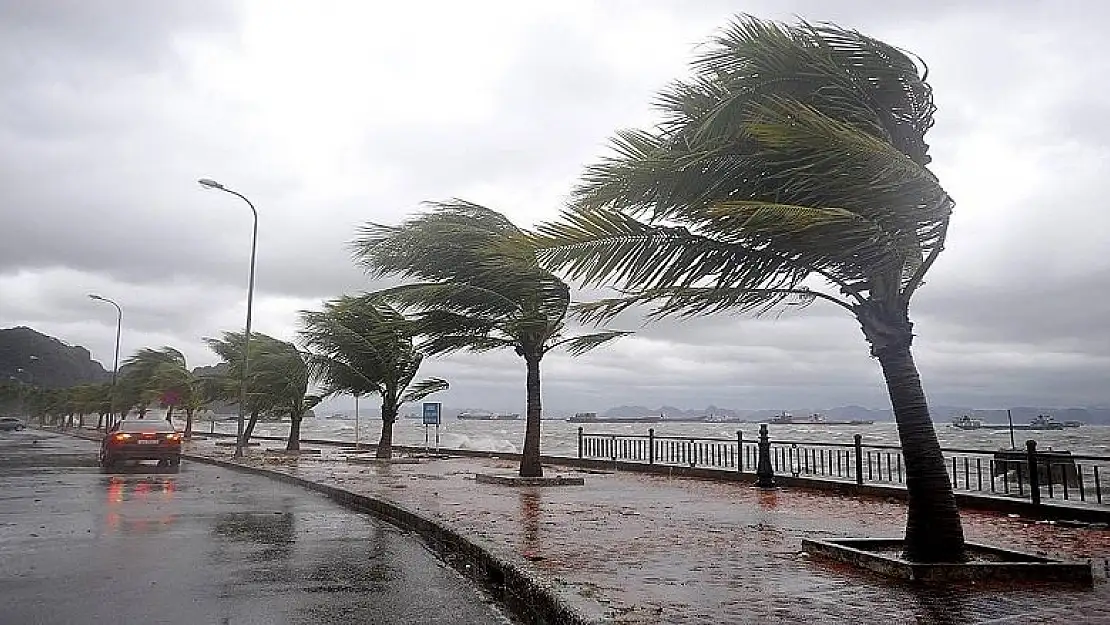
131, 502
530, 516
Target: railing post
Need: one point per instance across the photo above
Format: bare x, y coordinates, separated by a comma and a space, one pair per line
764, 474
1034, 472
651, 445
739, 451
580, 442
859, 458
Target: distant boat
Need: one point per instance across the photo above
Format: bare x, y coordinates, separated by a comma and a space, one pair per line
1041, 422
1073, 424
965, 422
488, 416
591, 417
814, 419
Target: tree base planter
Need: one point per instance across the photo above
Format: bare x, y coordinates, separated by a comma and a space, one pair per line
293, 452
985, 563
232, 444
363, 460
516, 480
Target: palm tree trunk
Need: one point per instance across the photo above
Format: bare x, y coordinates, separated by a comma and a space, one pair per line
530, 460
294, 442
169, 413
249, 430
389, 417
188, 423
933, 529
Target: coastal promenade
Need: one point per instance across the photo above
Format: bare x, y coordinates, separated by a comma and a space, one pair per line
635, 548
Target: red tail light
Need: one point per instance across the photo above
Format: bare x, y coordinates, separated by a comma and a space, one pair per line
121, 437
173, 439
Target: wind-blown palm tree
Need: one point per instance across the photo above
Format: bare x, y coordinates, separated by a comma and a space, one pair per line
277, 384
791, 168
361, 345
480, 289
162, 374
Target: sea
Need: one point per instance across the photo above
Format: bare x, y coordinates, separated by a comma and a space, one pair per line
559, 437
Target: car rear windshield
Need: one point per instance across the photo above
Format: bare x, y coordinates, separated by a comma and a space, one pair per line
146, 425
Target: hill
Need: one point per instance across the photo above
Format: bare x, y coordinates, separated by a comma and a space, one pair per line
34, 358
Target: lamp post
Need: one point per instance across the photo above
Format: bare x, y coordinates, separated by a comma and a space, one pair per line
115, 359
212, 184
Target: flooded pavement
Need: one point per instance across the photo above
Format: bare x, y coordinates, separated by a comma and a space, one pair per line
644, 549
201, 545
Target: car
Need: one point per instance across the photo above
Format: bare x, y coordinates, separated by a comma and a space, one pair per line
133, 440
11, 423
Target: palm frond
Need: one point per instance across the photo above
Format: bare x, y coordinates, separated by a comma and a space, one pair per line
423, 388
578, 345
606, 246
451, 343
691, 302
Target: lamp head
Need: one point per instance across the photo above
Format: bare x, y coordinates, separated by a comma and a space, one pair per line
94, 296
208, 183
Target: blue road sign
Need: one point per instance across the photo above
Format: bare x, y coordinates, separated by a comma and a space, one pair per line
431, 413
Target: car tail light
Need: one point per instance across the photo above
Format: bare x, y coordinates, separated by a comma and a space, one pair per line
173, 438
121, 437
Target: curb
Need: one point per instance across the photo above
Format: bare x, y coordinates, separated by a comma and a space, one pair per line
533, 600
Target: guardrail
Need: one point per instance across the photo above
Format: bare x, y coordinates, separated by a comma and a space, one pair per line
1022, 473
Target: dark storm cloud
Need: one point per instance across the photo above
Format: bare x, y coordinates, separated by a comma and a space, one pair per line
110, 111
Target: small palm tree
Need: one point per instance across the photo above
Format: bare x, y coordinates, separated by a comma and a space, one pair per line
162, 375
480, 289
277, 384
361, 345
790, 169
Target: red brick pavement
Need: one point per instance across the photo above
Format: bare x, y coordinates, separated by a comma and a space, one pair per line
644, 549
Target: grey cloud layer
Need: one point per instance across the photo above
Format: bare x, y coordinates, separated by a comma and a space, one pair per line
106, 121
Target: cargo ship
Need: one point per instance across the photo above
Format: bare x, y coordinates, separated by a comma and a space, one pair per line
472, 415
814, 419
591, 417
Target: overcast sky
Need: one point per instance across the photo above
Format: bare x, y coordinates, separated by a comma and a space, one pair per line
331, 114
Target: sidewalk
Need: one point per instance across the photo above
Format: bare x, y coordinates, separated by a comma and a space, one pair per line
643, 549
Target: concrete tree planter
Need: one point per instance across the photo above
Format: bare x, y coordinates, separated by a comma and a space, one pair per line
382, 461
232, 444
986, 564
293, 452
516, 480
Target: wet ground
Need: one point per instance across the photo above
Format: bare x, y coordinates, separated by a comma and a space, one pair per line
635, 548
201, 545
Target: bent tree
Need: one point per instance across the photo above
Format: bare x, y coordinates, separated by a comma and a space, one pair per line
791, 168
479, 288
361, 345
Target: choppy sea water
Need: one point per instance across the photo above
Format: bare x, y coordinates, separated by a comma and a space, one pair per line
560, 437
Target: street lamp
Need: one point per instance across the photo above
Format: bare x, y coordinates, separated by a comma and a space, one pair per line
212, 184
115, 360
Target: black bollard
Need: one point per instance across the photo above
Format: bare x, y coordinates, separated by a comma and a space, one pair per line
764, 474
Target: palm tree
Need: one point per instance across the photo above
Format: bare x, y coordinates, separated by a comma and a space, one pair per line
790, 169
163, 374
362, 345
277, 384
480, 289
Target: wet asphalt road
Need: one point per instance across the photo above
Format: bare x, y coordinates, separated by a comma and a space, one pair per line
202, 545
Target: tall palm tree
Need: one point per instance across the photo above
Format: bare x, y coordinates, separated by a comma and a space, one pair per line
791, 168
480, 289
362, 345
277, 384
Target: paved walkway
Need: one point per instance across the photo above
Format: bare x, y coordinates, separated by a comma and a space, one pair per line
640, 549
